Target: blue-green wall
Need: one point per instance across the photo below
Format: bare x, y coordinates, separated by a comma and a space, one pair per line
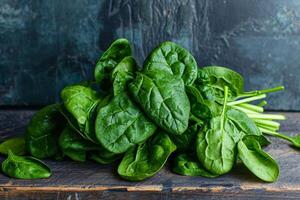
45, 45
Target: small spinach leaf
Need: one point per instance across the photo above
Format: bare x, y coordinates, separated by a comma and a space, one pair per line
145, 160
212, 79
257, 161
173, 59
188, 165
123, 73
118, 50
43, 130
163, 98
74, 146
15, 144
103, 156
120, 125
24, 167
81, 103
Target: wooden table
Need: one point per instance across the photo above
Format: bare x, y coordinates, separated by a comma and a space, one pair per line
71, 180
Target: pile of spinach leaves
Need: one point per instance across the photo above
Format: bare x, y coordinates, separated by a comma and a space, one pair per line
141, 116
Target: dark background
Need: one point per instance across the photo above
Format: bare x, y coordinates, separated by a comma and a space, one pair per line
45, 45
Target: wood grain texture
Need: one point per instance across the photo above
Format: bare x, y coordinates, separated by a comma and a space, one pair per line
72, 180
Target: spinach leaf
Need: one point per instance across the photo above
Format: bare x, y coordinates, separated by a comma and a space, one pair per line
118, 50
74, 146
123, 73
215, 145
246, 125
15, 144
24, 167
201, 108
145, 160
173, 59
188, 165
120, 125
163, 98
81, 103
257, 161
43, 130
212, 79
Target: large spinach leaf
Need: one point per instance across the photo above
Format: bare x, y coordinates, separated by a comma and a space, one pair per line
81, 102
188, 165
145, 160
216, 145
43, 130
24, 167
173, 59
163, 99
257, 161
120, 124
118, 50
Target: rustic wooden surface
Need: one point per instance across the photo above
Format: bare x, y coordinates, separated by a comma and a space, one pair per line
71, 180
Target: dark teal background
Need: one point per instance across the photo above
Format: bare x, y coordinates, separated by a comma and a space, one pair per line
45, 45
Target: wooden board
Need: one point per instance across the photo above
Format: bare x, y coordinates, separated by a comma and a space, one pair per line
71, 180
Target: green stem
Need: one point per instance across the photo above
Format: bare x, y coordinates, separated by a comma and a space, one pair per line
266, 116
224, 105
245, 110
252, 107
267, 123
246, 100
262, 103
270, 128
273, 133
264, 91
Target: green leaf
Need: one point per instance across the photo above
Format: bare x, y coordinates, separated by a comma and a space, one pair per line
122, 73
104, 157
145, 160
187, 165
81, 102
120, 125
162, 97
216, 145
15, 144
118, 50
257, 161
212, 79
74, 146
24, 167
173, 59
43, 130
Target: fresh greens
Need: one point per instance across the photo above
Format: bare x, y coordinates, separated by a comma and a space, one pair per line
173, 59
204, 117
188, 165
24, 167
43, 131
81, 102
15, 144
118, 50
258, 161
144, 160
120, 125
163, 98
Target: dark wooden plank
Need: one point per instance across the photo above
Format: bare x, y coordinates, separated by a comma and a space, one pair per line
72, 180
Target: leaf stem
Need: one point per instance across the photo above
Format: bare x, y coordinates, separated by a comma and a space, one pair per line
267, 123
262, 103
246, 100
266, 116
264, 91
252, 107
275, 134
